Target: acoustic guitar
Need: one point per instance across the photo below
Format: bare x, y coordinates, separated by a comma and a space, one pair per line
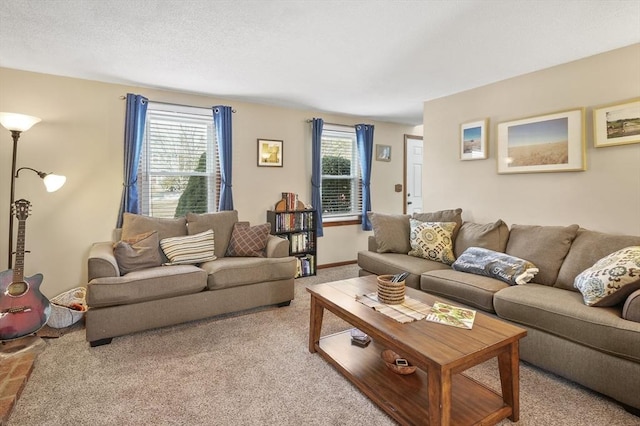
23, 309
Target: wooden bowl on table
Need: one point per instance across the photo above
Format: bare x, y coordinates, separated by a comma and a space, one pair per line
390, 357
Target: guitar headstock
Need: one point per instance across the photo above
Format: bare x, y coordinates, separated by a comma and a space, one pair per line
22, 208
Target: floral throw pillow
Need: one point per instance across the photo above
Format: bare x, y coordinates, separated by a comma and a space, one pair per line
432, 240
611, 279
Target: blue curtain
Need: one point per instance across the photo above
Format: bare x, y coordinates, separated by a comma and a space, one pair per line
222, 120
134, 124
364, 139
316, 177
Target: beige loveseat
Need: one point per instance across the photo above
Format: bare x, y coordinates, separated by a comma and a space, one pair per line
597, 347
157, 296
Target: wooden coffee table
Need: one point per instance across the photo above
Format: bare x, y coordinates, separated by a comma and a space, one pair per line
437, 393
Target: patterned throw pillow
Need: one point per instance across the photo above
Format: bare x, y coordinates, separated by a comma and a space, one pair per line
611, 279
195, 248
482, 261
248, 241
138, 252
432, 240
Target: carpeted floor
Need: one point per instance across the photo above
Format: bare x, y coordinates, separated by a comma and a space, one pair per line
249, 369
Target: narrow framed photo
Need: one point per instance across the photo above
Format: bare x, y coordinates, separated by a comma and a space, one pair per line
269, 153
616, 124
473, 140
383, 152
546, 143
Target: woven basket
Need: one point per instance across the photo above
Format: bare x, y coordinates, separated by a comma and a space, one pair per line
388, 292
61, 315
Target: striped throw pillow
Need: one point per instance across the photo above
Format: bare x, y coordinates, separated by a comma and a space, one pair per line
195, 248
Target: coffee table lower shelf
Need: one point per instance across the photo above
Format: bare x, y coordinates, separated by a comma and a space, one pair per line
405, 397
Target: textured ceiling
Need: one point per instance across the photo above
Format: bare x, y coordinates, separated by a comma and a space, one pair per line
377, 59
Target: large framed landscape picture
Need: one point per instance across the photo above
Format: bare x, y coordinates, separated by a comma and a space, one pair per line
547, 143
473, 140
617, 124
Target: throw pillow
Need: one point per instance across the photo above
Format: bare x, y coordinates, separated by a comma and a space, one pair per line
492, 236
490, 263
139, 252
391, 232
432, 240
611, 279
544, 246
189, 249
248, 241
452, 215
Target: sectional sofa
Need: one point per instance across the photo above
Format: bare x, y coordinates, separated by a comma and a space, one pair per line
593, 345
216, 265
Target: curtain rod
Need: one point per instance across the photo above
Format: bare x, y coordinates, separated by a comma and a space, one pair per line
333, 124
173, 104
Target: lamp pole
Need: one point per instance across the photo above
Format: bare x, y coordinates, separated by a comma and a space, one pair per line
15, 134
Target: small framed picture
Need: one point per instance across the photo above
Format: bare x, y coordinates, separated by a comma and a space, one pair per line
383, 152
546, 143
269, 153
473, 140
616, 124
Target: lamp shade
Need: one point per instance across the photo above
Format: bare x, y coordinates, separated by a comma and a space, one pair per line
54, 182
17, 122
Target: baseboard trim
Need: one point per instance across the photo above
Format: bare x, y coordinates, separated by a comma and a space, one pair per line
331, 265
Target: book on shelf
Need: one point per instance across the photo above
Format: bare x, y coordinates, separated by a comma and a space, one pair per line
296, 221
443, 313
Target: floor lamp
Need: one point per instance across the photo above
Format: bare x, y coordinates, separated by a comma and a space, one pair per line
16, 124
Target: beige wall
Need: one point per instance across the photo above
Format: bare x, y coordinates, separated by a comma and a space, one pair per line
80, 136
605, 197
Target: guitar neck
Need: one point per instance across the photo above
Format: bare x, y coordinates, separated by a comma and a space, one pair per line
18, 270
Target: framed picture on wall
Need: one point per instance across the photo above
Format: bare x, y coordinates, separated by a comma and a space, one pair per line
383, 152
269, 153
473, 140
616, 124
546, 143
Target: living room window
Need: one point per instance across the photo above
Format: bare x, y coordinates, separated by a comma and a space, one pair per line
179, 168
341, 189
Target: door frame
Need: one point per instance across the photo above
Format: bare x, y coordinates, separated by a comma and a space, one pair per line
404, 170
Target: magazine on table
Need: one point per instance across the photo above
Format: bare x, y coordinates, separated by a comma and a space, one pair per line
444, 313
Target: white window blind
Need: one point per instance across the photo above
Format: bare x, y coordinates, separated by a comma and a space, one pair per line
179, 168
341, 180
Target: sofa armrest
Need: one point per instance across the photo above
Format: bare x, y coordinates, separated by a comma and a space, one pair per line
631, 309
102, 263
277, 247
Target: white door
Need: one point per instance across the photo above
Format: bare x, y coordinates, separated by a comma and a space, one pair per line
414, 157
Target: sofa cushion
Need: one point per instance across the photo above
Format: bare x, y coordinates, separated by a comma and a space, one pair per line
432, 240
452, 215
395, 263
189, 249
473, 290
236, 271
587, 249
544, 246
611, 279
135, 224
139, 252
493, 264
492, 236
221, 223
248, 241
563, 314
391, 232
161, 282
631, 308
